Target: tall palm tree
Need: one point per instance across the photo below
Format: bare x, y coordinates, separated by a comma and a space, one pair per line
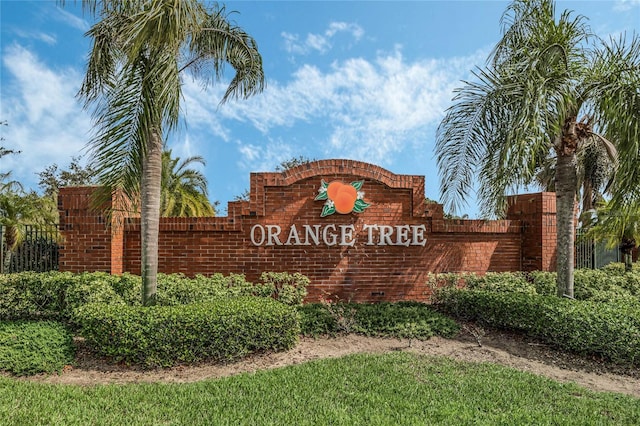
548, 88
141, 51
184, 189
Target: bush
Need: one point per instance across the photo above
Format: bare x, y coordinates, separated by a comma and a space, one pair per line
97, 289
315, 320
31, 295
162, 336
290, 289
609, 330
55, 295
34, 347
392, 319
379, 319
544, 282
608, 284
176, 289
510, 282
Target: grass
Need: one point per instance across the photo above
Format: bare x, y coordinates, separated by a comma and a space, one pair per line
397, 388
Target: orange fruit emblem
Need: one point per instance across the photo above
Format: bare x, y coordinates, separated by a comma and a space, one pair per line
343, 196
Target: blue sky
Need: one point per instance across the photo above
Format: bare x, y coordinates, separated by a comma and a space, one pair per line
368, 81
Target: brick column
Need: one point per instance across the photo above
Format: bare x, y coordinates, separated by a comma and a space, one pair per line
537, 212
86, 234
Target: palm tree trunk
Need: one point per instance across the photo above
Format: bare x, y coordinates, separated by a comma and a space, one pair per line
6, 262
10, 239
150, 216
566, 183
628, 262
626, 247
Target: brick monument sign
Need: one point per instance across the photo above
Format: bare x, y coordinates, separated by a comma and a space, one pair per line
356, 230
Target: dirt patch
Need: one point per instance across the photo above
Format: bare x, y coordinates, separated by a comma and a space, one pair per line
497, 347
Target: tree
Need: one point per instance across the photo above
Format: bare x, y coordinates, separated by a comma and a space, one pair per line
17, 209
52, 178
292, 162
618, 227
184, 189
595, 172
141, 50
525, 106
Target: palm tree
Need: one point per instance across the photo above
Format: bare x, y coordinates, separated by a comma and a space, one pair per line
618, 226
16, 210
184, 189
141, 50
595, 172
525, 106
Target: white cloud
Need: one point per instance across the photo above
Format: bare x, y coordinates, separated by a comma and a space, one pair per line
369, 110
625, 5
366, 110
71, 20
320, 42
263, 157
45, 121
354, 29
36, 35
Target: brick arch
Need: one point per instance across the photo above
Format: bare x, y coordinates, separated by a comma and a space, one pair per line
342, 166
412, 183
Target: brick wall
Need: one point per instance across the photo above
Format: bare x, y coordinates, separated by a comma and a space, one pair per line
538, 215
86, 233
360, 271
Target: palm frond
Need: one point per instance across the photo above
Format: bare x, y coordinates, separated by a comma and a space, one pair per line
219, 42
615, 92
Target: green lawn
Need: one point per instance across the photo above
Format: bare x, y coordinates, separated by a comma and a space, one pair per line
390, 389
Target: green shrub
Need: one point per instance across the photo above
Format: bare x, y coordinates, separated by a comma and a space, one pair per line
168, 335
544, 282
31, 347
55, 295
176, 289
97, 289
31, 295
511, 282
610, 283
392, 319
609, 330
128, 287
378, 319
290, 289
315, 320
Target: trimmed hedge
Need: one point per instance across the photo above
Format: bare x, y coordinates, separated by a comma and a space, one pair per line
31, 295
32, 347
162, 336
609, 284
611, 331
55, 295
402, 319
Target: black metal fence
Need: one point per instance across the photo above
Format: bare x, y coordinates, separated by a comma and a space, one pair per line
594, 255
36, 250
